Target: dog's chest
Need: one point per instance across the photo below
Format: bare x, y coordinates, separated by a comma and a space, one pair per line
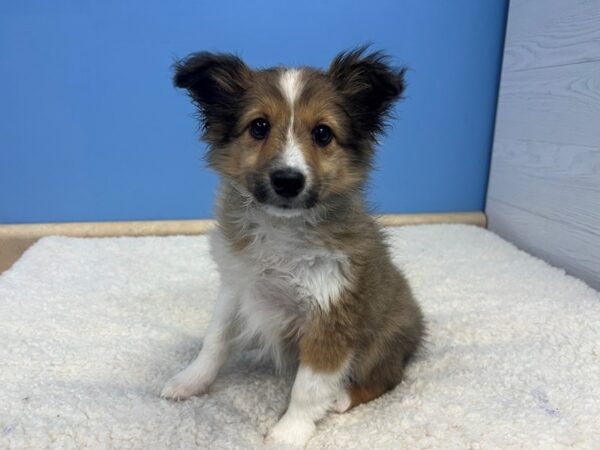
278, 278
286, 267
298, 266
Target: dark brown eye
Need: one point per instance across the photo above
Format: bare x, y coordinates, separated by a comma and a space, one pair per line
259, 128
322, 135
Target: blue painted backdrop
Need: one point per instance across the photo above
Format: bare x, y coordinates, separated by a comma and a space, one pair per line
92, 129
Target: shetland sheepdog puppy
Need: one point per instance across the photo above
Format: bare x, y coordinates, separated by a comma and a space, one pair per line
305, 272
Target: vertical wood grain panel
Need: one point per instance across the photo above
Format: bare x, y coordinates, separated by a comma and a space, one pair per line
552, 240
544, 187
555, 104
545, 33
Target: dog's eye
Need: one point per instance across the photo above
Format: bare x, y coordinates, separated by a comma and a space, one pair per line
259, 128
322, 135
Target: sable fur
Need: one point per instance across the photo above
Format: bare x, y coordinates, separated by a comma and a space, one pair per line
310, 278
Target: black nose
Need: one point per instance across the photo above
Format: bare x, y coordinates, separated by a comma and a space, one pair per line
287, 182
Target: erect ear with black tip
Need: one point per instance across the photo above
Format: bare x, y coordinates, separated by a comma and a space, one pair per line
215, 82
370, 86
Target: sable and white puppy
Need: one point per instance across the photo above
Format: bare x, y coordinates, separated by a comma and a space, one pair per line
305, 271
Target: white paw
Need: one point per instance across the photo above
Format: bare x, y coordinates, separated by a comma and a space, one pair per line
342, 402
294, 432
184, 385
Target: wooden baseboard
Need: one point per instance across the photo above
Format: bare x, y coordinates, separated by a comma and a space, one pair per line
15, 239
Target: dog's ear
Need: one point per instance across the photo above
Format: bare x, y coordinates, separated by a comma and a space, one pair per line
369, 85
216, 83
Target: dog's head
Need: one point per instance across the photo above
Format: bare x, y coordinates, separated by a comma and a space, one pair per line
292, 138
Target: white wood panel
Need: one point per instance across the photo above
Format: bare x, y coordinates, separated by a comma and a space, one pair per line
544, 188
556, 104
546, 33
559, 182
573, 249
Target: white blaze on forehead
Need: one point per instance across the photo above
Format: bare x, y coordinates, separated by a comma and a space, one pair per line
291, 85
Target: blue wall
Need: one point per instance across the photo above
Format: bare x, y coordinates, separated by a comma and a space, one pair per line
92, 129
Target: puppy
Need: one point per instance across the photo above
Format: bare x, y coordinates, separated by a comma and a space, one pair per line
305, 271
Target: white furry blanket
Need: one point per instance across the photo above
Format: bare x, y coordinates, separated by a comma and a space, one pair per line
90, 329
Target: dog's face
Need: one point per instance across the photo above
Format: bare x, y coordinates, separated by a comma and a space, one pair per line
292, 138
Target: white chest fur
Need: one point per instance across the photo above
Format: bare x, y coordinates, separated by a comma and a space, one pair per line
284, 272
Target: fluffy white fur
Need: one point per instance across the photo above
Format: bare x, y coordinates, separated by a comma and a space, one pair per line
200, 374
92, 328
266, 292
313, 394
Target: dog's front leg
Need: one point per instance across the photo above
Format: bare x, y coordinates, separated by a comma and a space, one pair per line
199, 375
313, 394
319, 384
